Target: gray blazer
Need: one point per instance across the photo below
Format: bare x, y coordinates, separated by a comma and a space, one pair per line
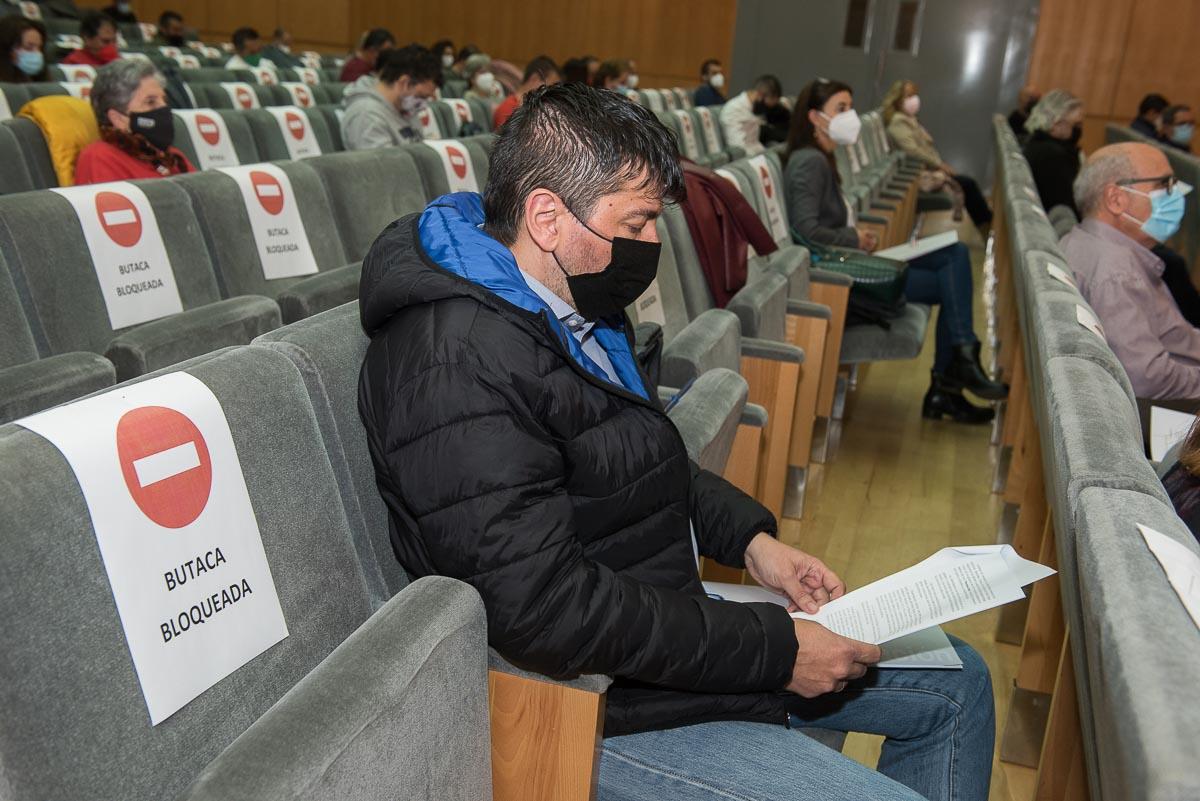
815, 206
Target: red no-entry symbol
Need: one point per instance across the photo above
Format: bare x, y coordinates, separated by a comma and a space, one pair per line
766, 180
119, 218
209, 130
268, 191
165, 463
295, 124
457, 160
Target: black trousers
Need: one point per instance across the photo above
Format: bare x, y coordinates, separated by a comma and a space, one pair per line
974, 200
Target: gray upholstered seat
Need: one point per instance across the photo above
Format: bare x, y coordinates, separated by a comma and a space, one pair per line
34, 152
268, 137
707, 415
217, 200
369, 189
349, 704
903, 340
14, 173
235, 124
433, 169
64, 304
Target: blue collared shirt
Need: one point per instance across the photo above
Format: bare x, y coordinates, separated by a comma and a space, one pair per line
574, 322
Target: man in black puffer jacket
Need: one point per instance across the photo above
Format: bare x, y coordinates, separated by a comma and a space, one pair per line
519, 449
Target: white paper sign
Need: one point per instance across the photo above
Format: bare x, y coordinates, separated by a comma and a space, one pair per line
1060, 274
187, 61
456, 161
30, 10
1088, 320
311, 59
650, 305
953, 583
283, 247
301, 94
135, 276
669, 100
265, 76
149, 30
1182, 566
1032, 194
241, 94
132, 54
210, 138
5, 111
462, 110
709, 129
82, 91
78, 73
428, 122
691, 146
297, 132
157, 467
771, 199
929, 648
1167, 427
308, 75
170, 52
69, 41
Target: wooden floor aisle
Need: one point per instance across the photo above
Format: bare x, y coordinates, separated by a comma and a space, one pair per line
898, 489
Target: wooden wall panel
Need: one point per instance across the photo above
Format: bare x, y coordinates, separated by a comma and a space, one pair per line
1079, 47
1160, 55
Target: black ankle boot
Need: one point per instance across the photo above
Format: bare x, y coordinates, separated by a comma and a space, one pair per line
945, 399
967, 373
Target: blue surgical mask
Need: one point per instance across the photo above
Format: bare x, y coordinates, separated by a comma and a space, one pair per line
30, 62
1182, 135
1166, 211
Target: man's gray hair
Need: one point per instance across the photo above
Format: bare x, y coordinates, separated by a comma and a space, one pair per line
117, 81
1098, 172
1054, 105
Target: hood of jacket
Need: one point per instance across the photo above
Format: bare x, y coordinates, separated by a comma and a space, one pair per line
453, 257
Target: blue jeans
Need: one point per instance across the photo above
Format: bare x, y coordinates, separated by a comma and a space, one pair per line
940, 728
944, 278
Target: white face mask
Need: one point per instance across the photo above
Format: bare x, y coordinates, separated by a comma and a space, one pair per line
843, 128
631, 81
911, 105
485, 81
411, 105
447, 61
717, 81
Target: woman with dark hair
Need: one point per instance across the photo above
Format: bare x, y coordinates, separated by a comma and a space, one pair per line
1182, 482
136, 127
824, 118
23, 45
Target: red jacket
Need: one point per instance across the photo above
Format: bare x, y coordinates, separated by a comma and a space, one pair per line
722, 224
82, 56
101, 162
354, 69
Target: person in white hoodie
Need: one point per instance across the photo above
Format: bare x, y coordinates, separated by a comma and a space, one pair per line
382, 110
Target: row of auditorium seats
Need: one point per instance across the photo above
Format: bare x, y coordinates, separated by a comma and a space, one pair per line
1107, 648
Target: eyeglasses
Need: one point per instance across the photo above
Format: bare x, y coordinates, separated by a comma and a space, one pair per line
1167, 182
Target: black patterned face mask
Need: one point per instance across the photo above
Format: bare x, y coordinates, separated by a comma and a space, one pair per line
630, 271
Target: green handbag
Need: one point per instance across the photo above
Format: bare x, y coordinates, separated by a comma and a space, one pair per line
877, 294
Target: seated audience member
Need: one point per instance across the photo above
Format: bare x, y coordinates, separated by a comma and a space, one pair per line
279, 51
900, 108
171, 31
481, 81
776, 118
740, 125
1149, 115
593, 66
121, 12
519, 448
384, 113
374, 42
1178, 127
99, 34
710, 92
1027, 98
246, 51
136, 127
1131, 201
575, 71
824, 118
1182, 482
612, 75
631, 80
459, 68
1052, 149
22, 43
542, 71
444, 50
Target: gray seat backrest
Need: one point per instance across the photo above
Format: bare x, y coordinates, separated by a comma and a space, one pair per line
75, 722
235, 125
14, 173
16, 341
369, 189
708, 415
219, 206
433, 169
268, 137
206, 75
34, 151
15, 96
64, 304
328, 349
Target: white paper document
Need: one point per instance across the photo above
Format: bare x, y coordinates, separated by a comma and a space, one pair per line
1182, 566
929, 649
953, 583
1167, 427
923, 246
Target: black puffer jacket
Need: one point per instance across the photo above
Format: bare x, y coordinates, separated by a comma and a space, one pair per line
505, 461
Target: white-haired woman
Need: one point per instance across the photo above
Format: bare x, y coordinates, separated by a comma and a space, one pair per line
1052, 149
136, 127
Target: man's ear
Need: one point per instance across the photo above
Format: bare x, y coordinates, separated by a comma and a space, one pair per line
1115, 200
543, 210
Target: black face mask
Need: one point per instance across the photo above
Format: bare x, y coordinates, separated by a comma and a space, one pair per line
174, 41
760, 109
630, 271
1076, 132
158, 126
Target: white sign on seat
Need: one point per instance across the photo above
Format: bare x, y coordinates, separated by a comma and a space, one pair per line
771, 197
456, 161
241, 94
127, 250
210, 138
297, 132
283, 246
301, 94
157, 467
78, 73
